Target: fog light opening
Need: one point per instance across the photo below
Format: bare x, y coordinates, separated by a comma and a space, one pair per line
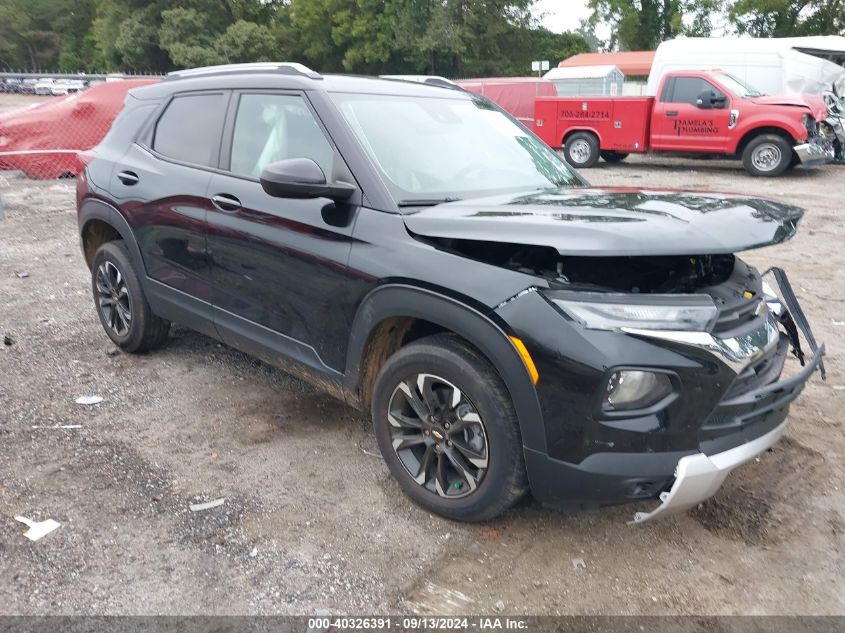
635, 389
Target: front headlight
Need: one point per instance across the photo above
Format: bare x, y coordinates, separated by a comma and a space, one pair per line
600, 311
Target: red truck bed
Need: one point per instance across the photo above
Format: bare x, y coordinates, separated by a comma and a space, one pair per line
622, 123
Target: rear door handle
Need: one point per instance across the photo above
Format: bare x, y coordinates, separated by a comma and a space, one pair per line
671, 113
128, 178
225, 202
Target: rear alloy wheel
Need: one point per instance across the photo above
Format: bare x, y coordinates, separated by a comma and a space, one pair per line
447, 429
121, 305
767, 155
113, 300
581, 149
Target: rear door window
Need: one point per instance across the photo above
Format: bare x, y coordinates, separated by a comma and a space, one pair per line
189, 130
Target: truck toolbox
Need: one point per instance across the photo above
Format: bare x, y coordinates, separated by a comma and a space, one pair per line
621, 123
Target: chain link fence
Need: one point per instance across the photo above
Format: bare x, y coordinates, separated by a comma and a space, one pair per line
47, 120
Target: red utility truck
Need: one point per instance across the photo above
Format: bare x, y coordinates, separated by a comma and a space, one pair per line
700, 113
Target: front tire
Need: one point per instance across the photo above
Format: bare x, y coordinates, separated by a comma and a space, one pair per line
448, 431
121, 304
582, 149
767, 155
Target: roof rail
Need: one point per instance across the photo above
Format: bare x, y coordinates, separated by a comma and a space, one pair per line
284, 68
432, 80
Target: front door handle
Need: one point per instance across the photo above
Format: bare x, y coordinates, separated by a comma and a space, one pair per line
128, 178
671, 113
225, 202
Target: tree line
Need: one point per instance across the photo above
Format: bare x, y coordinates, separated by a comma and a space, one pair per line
455, 38
643, 24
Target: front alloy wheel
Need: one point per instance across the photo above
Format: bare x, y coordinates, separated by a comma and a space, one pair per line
446, 427
438, 435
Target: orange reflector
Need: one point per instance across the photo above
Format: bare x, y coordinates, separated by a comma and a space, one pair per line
526, 358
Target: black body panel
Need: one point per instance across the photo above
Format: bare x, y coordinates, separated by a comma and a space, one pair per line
615, 221
304, 284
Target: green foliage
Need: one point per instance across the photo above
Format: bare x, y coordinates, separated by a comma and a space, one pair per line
784, 18
639, 25
247, 41
456, 38
643, 24
448, 37
136, 41
185, 37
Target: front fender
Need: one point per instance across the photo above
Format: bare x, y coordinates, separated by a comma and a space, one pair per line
790, 123
401, 300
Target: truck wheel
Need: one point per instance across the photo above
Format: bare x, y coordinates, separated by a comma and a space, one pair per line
767, 155
121, 305
614, 157
447, 429
582, 149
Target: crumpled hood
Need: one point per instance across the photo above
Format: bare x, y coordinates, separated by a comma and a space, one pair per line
814, 103
614, 221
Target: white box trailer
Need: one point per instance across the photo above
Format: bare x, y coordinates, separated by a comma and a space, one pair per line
770, 65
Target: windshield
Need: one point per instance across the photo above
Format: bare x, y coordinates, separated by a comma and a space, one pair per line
436, 149
736, 87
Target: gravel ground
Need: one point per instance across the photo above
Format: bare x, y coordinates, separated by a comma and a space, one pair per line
312, 521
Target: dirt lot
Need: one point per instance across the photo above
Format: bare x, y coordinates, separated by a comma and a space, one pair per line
312, 521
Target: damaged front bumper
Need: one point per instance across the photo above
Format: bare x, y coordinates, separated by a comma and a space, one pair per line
698, 477
814, 152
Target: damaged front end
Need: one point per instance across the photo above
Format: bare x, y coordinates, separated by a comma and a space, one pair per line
659, 352
756, 395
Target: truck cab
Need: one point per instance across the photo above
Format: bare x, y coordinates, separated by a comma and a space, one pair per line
702, 113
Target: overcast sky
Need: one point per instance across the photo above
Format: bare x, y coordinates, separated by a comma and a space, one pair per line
562, 15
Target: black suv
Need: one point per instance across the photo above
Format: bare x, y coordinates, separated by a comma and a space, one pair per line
418, 253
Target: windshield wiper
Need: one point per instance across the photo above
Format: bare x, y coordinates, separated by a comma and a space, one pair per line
424, 202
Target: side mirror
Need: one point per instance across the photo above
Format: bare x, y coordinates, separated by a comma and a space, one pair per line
709, 99
703, 100
301, 178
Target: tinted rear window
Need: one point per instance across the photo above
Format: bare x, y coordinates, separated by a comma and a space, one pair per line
190, 128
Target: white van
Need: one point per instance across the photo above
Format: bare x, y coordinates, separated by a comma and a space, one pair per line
770, 65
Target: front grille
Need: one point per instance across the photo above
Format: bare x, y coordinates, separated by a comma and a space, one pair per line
735, 315
761, 372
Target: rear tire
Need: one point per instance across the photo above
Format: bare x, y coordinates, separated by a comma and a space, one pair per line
614, 157
448, 431
582, 149
767, 155
121, 304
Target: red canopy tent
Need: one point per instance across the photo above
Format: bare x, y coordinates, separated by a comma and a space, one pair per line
514, 94
43, 140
